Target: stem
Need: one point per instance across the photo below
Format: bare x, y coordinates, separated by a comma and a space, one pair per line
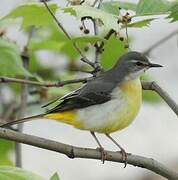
161, 41
84, 58
23, 103
96, 31
87, 153
155, 87
36, 83
145, 85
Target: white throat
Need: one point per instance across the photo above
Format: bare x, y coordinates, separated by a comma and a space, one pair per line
135, 75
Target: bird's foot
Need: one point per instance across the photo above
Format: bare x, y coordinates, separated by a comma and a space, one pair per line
124, 157
103, 154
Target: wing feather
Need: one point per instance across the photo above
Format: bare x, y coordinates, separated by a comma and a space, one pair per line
97, 91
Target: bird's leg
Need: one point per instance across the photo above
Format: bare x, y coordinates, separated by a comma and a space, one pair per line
123, 152
103, 153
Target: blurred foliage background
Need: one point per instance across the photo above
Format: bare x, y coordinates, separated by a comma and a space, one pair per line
53, 57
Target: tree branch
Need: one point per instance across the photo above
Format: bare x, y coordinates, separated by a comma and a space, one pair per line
36, 83
155, 87
23, 99
145, 85
21, 113
84, 58
96, 31
87, 153
161, 41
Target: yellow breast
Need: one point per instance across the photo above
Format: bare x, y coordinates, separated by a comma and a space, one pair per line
115, 114
108, 117
130, 105
132, 91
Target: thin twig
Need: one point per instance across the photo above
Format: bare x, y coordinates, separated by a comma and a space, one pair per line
9, 111
97, 49
36, 83
56, 20
87, 153
93, 5
21, 112
127, 35
23, 99
155, 87
84, 58
161, 41
107, 36
146, 86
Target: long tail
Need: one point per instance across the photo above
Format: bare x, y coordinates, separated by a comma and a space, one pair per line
18, 121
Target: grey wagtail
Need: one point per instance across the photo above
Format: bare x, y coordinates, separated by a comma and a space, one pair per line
106, 103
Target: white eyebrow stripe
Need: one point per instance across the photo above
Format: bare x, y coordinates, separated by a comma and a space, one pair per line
134, 61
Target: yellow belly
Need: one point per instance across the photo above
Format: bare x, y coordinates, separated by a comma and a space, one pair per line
110, 116
133, 94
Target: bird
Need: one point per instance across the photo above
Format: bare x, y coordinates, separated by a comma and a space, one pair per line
106, 103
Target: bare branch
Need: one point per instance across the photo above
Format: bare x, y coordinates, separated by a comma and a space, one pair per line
23, 99
146, 86
87, 153
97, 49
95, 2
36, 83
155, 87
161, 41
21, 113
84, 58
56, 20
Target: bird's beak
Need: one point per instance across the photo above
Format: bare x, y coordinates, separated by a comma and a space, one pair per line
154, 65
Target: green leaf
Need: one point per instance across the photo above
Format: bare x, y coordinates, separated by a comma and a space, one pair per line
47, 44
33, 14
5, 23
108, 20
174, 12
53, 39
14, 173
51, 44
55, 177
149, 96
152, 7
87, 39
10, 60
41, 71
142, 23
113, 49
113, 6
6, 149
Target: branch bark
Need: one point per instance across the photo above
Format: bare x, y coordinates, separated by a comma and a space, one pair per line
145, 85
155, 87
96, 32
87, 153
36, 83
84, 58
160, 42
78, 152
23, 99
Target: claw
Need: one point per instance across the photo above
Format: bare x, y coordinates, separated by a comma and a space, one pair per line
103, 154
124, 157
123, 152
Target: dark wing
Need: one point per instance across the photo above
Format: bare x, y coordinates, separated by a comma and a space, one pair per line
94, 92
69, 95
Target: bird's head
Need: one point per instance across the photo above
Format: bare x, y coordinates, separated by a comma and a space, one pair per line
133, 64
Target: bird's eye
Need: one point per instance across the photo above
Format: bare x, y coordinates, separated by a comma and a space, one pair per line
139, 63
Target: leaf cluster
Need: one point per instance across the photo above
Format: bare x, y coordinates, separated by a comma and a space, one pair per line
115, 16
